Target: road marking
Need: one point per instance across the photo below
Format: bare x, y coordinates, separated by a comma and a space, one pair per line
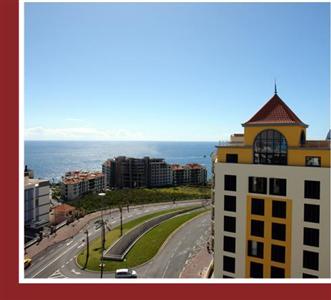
69, 243
54, 260
112, 222
75, 272
80, 246
62, 266
57, 274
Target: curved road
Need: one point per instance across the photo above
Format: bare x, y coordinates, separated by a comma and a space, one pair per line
59, 260
182, 246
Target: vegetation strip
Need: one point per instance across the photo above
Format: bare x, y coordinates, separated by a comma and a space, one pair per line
114, 235
124, 197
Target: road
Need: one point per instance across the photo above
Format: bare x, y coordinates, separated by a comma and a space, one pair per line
182, 246
58, 261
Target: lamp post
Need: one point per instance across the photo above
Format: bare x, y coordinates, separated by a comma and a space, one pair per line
103, 239
87, 248
120, 208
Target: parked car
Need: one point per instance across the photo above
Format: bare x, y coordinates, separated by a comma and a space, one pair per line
125, 273
27, 262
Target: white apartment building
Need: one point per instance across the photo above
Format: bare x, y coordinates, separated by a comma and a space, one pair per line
36, 202
77, 183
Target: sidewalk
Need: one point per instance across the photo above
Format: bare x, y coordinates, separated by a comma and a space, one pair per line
198, 266
65, 232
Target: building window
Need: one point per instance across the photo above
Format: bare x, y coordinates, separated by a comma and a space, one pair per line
277, 186
229, 224
230, 183
310, 260
279, 209
313, 161
312, 213
229, 203
278, 232
226, 276
276, 272
229, 264
257, 228
305, 275
312, 189
256, 270
257, 207
311, 237
255, 249
270, 147
258, 185
229, 244
278, 253
232, 158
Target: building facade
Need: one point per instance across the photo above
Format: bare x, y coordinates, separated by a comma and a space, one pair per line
128, 172
160, 174
36, 202
271, 206
189, 174
77, 183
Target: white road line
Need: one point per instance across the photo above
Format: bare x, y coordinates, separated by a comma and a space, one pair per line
69, 243
57, 274
75, 272
55, 259
80, 246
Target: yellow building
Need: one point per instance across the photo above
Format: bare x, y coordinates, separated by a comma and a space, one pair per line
271, 199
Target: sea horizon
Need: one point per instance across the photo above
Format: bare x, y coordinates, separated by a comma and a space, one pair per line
51, 159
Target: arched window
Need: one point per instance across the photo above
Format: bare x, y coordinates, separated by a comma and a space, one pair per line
270, 147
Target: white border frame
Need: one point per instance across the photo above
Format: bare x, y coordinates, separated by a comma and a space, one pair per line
21, 169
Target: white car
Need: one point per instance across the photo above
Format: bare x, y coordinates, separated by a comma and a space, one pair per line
125, 273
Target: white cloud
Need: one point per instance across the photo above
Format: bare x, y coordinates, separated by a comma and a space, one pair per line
74, 120
80, 133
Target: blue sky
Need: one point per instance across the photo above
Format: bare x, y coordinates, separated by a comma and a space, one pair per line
180, 72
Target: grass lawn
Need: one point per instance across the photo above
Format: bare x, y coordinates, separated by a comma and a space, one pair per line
111, 237
93, 202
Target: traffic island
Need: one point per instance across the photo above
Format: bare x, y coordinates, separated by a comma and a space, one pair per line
123, 245
142, 251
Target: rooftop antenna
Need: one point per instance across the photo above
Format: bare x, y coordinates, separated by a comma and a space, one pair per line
275, 86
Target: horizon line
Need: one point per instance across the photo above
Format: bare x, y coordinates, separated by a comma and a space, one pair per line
183, 141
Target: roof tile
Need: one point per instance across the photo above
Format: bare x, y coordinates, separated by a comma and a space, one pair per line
275, 111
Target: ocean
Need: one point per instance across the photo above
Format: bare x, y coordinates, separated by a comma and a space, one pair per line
51, 159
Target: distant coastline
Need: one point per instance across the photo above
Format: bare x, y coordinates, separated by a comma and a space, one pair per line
51, 159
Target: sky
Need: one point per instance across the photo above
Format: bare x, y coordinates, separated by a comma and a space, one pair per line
171, 71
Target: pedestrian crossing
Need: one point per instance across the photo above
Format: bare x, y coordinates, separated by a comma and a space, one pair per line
57, 274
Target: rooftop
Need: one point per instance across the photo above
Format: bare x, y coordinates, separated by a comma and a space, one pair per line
275, 111
63, 208
78, 176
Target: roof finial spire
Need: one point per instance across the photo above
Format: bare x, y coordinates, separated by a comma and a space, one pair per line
275, 86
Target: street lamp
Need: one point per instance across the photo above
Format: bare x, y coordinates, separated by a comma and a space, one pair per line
87, 248
103, 238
